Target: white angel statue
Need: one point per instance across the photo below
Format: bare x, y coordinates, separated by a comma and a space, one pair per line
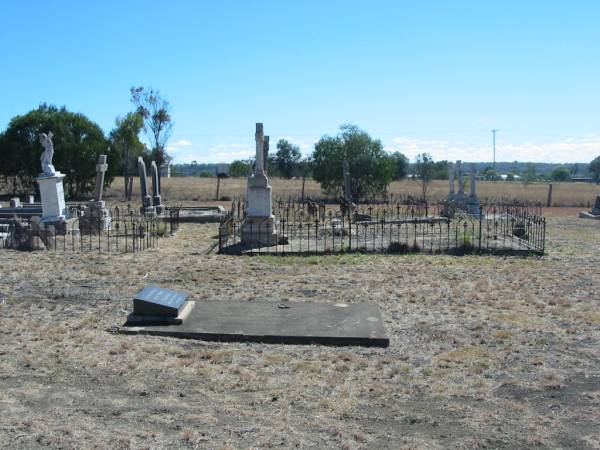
46, 141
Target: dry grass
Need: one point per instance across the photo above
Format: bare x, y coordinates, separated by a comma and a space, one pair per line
203, 189
485, 352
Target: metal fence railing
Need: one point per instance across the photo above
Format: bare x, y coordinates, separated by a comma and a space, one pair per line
122, 230
402, 227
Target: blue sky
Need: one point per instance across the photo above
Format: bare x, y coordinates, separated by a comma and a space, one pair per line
426, 76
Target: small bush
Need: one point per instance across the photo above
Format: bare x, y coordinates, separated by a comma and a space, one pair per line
398, 248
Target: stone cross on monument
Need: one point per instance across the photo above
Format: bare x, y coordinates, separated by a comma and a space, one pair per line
96, 217
473, 204
473, 181
259, 165
265, 153
459, 175
101, 168
347, 181
451, 179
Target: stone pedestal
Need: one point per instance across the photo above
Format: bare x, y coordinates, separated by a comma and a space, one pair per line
53, 197
96, 217
259, 225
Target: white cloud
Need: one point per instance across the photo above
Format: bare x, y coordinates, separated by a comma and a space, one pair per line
571, 149
563, 151
175, 145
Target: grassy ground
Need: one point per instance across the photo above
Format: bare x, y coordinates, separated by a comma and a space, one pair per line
485, 352
186, 189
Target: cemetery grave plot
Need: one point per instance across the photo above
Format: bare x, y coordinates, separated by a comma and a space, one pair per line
484, 351
402, 227
303, 323
128, 230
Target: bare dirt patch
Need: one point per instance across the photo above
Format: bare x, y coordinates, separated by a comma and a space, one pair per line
485, 352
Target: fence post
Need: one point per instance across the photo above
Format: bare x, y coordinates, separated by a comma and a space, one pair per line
480, 220
349, 231
220, 237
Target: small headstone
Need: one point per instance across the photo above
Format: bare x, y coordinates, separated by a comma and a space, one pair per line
156, 301
147, 207
31, 199
15, 202
156, 201
596, 209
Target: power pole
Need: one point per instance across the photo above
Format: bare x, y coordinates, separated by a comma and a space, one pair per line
494, 146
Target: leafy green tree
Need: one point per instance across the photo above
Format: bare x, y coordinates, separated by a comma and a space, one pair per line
490, 174
530, 173
286, 158
440, 170
400, 163
272, 168
125, 142
371, 168
158, 125
561, 174
206, 174
425, 169
77, 144
239, 168
594, 169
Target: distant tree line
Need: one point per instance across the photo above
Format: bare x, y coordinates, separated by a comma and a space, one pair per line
78, 141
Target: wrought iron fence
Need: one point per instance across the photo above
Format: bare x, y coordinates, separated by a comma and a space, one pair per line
402, 227
123, 230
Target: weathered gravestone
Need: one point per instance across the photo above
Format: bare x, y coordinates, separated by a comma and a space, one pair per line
147, 208
594, 213
596, 209
158, 206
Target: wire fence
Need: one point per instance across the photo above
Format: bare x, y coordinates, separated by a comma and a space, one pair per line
120, 230
403, 227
